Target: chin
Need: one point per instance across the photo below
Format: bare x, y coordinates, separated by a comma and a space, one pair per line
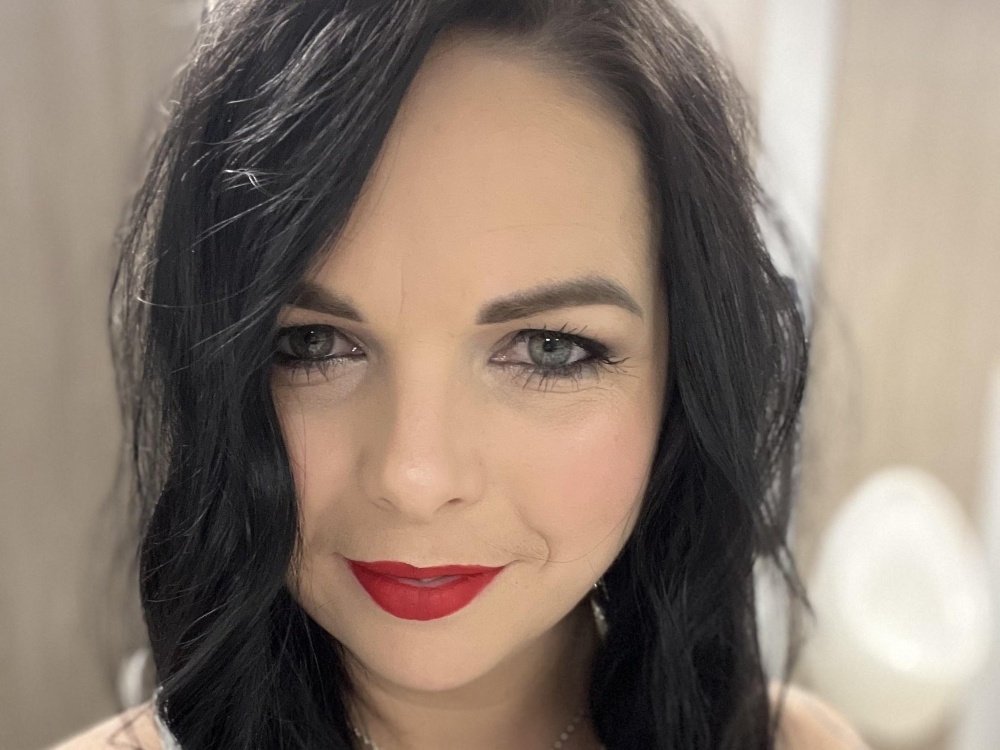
443, 654
429, 663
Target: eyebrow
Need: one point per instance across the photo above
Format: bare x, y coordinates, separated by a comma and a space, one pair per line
587, 290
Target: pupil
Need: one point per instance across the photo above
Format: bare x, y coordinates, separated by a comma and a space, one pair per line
550, 351
314, 343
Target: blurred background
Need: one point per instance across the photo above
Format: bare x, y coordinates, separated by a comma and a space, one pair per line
880, 140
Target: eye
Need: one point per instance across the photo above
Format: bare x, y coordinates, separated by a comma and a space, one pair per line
535, 355
547, 357
313, 347
547, 349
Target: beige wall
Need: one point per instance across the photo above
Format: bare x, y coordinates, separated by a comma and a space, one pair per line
909, 312
77, 81
910, 317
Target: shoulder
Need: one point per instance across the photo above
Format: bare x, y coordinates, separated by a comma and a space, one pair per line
807, 723
133, 729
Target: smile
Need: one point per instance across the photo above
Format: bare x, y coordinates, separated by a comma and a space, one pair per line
411, 593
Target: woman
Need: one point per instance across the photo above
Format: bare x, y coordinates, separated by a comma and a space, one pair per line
463, 392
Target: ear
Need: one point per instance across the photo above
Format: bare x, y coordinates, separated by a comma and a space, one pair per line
807, 723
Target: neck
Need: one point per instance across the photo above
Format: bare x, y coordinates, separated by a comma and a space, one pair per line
525, 702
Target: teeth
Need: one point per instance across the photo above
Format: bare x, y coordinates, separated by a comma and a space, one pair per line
428, 582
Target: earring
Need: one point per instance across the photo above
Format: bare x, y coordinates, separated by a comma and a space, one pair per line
600, 585
596, 608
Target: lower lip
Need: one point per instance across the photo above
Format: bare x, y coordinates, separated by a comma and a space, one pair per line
425, 601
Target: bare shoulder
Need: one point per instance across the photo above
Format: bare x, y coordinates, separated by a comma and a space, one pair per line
808, 723
133, 729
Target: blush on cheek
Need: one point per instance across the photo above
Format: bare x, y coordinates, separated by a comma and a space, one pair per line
582, 489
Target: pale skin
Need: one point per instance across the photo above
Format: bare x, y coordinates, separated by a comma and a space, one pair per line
430, 442
432, 448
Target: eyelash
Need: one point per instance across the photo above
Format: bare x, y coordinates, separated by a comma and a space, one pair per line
597, 361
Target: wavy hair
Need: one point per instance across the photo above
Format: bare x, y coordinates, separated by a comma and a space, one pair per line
274, 124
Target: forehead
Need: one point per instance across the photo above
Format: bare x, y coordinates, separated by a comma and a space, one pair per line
497, 174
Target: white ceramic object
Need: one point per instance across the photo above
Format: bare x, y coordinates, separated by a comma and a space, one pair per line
901, 593
979, 726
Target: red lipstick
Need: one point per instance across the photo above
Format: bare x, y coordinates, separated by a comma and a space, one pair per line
413, 593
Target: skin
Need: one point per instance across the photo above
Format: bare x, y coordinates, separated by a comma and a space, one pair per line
498, 176
428, 444
807, 723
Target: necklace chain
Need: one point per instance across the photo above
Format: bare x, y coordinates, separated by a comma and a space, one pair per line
557, 745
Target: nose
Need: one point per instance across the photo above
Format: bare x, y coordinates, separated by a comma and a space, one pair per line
420, 452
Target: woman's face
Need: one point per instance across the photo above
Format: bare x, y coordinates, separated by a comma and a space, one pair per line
438, 427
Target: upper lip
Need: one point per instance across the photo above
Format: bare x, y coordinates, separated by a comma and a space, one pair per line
405, 570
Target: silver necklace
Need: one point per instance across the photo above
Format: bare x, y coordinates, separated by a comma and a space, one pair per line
559, 743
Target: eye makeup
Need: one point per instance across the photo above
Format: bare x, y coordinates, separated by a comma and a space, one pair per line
538, 357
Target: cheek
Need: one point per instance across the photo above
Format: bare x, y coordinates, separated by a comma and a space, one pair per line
319, 455
579, 482
572, 472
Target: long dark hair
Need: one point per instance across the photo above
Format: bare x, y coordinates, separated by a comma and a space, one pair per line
274, 125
